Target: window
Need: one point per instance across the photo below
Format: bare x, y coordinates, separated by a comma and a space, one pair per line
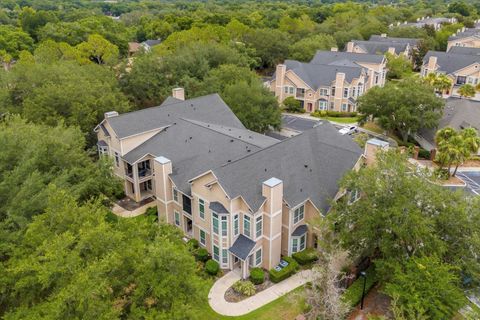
354, 195
294, 245
298, 214
224, 226
376, 78
324, 92
354, 91
360, 89
258, 257
461, 80
175, 195
235, 225
302, 243
203, 237
246, 226
322, 104
258, 226
187, 204
102, 150
333, 91
177, 218
300, 93
345, 92
286, 89
215, 222
290, 90
344, 107
216, 253
201, 208
224, 256
117, 159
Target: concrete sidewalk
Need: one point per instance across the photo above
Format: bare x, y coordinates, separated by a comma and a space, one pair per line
216, 296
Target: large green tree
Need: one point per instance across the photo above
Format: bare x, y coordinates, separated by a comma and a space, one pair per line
305, 49
404, 107
403, 217
72, 263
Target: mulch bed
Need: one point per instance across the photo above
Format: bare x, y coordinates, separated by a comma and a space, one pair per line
130, 205
233, 296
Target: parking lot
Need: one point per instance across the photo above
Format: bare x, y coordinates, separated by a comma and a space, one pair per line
472, 181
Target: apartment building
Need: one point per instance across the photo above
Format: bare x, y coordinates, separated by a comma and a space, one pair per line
381, 44
460, 68
465, 37
435, 23
331, 81
247, 198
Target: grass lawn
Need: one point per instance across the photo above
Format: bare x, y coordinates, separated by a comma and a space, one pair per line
286, 307
372, 126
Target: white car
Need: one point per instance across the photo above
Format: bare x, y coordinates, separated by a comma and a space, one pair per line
348, 130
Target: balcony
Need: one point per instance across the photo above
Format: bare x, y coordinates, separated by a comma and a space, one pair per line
144, 172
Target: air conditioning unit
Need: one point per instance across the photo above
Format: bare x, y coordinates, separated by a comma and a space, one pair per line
111, 114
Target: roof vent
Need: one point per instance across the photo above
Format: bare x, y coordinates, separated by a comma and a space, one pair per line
265, 169
305, 165
231, 140
229, 160
248, 150
301, 190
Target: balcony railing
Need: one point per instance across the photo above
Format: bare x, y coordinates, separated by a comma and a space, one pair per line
145, 172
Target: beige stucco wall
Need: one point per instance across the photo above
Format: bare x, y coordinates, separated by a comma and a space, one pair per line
471, 42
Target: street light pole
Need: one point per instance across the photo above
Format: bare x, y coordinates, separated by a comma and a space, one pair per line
364, 275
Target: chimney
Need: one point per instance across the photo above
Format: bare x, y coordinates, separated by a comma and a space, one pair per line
339, 80
383, 35
391, 50
350, 45
279, 80
272, 191
372, 147
178, 93
432, 63
110, 114
162, 167
334, 49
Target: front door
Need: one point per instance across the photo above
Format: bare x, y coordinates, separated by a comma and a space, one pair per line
309, 107
188, 226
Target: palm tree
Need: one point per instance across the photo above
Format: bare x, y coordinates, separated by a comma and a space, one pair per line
467, 90
440, 82
470, 145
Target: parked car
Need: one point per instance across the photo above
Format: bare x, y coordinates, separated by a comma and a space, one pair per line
348, 130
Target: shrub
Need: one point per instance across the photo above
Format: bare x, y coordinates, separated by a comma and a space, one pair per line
257, 276
292, 105
246, 288
333, 114
353, 294
424, 154
192, 244
212, 267
277, 276
306, 256
201, 254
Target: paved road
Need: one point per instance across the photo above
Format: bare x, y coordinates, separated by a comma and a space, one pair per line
472, 180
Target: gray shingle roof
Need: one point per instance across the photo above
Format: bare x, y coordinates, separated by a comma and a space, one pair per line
210, 108
458, 113
411, 41
309, 164
318, 75
242, 247
451, 62
194, 148
152, 42
380, 47
465, 50
327, 57
300, 230
217, 207
464, 34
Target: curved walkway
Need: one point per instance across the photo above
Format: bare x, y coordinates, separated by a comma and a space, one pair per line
216, 296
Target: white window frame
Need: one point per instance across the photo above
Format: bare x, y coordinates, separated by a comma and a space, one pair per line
249, 234
102, 150
322, 105
344, 107
215, 218
201, 203
236, 225
259, 230
224, 226
346, 91
176, 215
175, 194
297, 244
216, 256
354, 92
291, 90
353, 196
224, 254
204, 242
324, 92
257, 262
299, 214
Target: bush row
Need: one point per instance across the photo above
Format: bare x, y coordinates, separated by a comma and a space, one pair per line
306, 256
277, 276
336, 114
353, 294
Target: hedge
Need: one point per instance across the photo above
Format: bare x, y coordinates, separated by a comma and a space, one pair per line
424, 154
212, 267
277, 276
257, 275
306, 256
353, 295
334, 114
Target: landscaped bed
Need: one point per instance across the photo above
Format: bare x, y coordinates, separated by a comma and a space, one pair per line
233, 296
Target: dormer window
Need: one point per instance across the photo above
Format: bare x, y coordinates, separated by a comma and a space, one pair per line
298, 214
